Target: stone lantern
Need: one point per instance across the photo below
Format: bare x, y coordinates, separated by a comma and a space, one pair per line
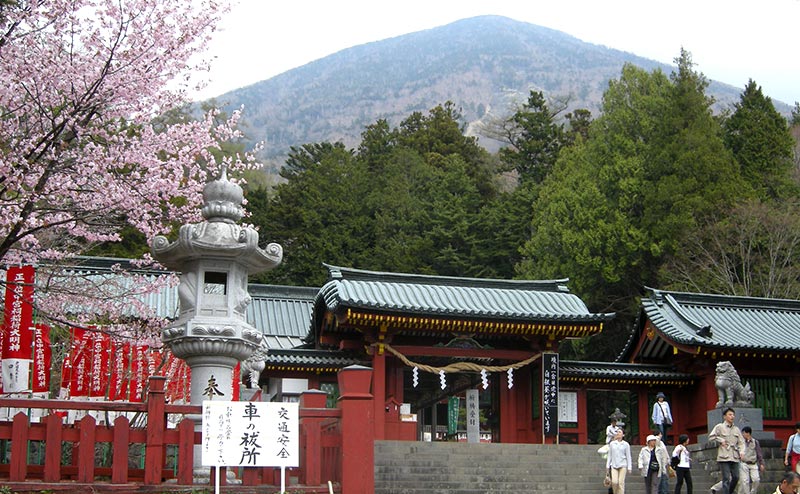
214, 258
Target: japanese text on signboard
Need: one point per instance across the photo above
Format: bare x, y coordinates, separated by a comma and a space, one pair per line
250, 434
550, 394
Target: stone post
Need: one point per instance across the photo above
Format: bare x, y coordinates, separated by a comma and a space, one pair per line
358, 424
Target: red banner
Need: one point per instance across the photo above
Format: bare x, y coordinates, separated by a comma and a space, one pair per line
99, 369
17, 338
237, 381
75, 369
41, 359
178, 380
140, 369
119, 382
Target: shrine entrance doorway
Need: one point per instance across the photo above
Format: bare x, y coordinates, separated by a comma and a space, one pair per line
442, 413
601, 403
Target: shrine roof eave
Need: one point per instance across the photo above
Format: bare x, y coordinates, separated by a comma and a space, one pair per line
724, 323
585, 372
311, 360
445, 297
410, 324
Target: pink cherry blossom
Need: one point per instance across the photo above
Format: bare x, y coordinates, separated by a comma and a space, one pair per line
81, 154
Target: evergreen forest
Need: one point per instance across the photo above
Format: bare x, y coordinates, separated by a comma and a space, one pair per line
657, 190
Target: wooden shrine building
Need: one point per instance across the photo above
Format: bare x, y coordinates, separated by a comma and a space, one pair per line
395, 323
692, 332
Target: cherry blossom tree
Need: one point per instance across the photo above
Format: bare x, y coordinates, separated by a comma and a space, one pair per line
82, 152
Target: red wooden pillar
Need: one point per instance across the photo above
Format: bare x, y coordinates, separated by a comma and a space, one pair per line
86, 449
52, 448
156, 424
583, 433
119, 470
356, 403
379, 391
644, 416
186, 451
508, 412
19, 448
311, 461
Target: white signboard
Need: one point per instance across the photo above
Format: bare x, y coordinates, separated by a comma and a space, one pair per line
568, 407
250, 434
473, 417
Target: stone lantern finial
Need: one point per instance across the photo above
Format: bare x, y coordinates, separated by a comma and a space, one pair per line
222, 200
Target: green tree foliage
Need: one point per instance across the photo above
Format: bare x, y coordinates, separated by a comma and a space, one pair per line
315, 216
535, 139
406, 201
753, 251
653, 167
760, 140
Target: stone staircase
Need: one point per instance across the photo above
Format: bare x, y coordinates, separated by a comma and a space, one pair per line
403, 467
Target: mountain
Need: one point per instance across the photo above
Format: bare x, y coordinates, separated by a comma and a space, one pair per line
484, 65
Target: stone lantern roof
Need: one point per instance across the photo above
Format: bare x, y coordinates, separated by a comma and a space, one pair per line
219, 236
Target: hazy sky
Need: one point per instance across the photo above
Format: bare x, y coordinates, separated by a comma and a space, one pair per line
730, 41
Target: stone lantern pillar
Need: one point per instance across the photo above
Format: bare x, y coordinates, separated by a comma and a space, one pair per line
214, 258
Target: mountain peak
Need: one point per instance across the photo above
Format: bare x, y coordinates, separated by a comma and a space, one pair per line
485, 65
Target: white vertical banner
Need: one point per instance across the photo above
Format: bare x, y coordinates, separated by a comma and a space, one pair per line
473, 417
251, 434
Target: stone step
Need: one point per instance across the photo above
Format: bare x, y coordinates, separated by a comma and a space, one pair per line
458, 468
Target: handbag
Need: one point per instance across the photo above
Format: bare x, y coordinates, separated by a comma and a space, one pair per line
667, 420
671, 472
607, 480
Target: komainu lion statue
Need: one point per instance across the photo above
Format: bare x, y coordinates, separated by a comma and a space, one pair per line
730, 388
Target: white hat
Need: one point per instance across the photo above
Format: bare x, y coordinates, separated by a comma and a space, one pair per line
652, 438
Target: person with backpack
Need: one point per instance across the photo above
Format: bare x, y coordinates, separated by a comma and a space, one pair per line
652, 464
681, 461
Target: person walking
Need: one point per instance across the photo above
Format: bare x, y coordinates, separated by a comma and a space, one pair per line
619, 462
730, 448
683, 469
662, 415
652, 464
752, 463
663, 482
793, 450
790, 484
611, 430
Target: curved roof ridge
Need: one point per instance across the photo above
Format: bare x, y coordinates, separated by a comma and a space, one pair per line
339, 272
728, 300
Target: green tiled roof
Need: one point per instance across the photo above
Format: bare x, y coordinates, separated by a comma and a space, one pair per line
723, 322
312, 359
548, 301
281, 311
599, 372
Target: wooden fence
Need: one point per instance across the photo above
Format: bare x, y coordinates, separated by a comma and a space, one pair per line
86, 457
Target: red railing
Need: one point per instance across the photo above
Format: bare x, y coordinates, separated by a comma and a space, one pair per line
84, 454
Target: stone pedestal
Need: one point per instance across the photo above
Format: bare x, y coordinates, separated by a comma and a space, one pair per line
754, 417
